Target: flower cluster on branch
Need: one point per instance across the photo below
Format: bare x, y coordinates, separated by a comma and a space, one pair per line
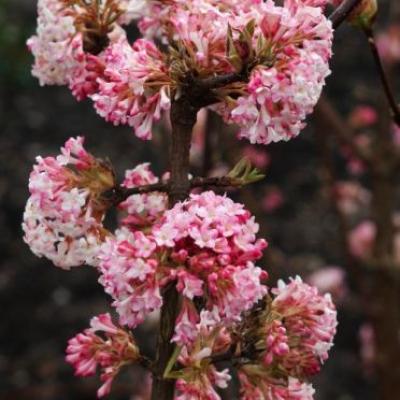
207, 247
261, 66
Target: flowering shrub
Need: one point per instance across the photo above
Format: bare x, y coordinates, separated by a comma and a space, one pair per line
190, 255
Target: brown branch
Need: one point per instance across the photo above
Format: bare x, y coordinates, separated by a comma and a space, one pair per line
394, 107
218, 81
118, 195
342, 12
220, 181
233, 357
146, 363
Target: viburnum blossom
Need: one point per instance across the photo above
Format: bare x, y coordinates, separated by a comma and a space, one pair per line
330, 279
280, 54
199, 377
213, 241
142, 209
69, 42
303, 330
293, 49
287, 47
63, 216
291, 339
207, 244
134, 88
254, 387
129, 274
88, 351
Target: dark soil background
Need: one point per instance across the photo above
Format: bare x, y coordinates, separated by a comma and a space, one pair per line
43, 306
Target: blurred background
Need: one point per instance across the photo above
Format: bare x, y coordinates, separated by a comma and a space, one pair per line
313, 185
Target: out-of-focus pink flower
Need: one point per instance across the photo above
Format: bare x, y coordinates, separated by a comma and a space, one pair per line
361, 240
329, 280
396, 135
272, 200
388, 43
351, 197
199, 136
363, 116
258, 157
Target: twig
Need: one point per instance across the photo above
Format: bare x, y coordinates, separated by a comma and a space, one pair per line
146, 363
118, 195
394, 107
217, 81
342, 12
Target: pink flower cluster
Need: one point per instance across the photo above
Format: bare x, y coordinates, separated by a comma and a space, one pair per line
131, 274
309, 322
213, 243
142, 209
292, 341
288, 49
254, 388
134, 87
207, 244
52, 44
63, 216
198, 378
115, 348
58, 48
291, 46
287, 82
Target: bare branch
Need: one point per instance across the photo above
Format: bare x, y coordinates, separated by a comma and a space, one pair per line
394, 107
342, 12
118, 195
